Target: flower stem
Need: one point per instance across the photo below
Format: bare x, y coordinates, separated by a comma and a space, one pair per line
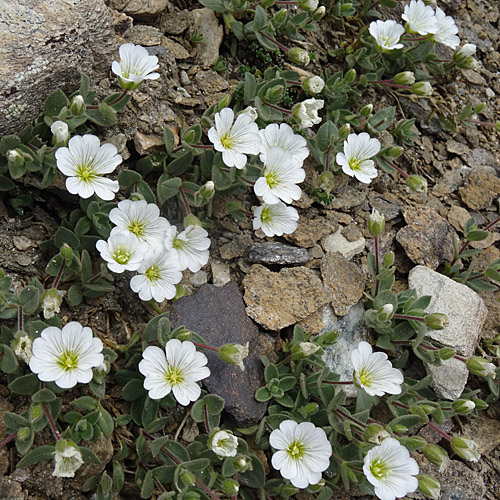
407, 317
377, 266
271, 39
205, 415
184, 200
203, 346
395, 167
156, 307
51, 422
112, 103
437, 429
59, 274
8, 438
20, 322
283, 110
344, 416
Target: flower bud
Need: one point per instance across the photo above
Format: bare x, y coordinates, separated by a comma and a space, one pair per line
223, 443
280, 17
469, 49
415, 443
51, 303
36, 412
344, 131
405, 78
299, 56
66, 253
399, 428
366, 111
395, 152
376, 223
319, 13
479, 107
230, 487
274, 94
224, 102
465, 448
308, 5
479, 366
266, 3
61, 133
327, 181
375, 433
310, 409
350, 76
480, 404
183, 334
429, 486
497, 126
22, 346
313, 84
436, 321
234, 354
446, 353
422, 88
136, 196
389, 259
242, 464
188, 478
417, 183
463, 406
77, 105
318, 486
304, 349
251, 112
385, 313
207, 191
436, 455
191, 220
24, 433
15, 157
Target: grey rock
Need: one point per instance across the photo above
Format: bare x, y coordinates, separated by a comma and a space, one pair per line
277, 253
389, 210
466, 313
337, 242
45, 46
205, 23
481, 186
352, 331
218, 315
221, 273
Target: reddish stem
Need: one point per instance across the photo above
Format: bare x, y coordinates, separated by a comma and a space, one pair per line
203, 346
377, 266
271, 39
395, 167
59, 274
116, 101
184, 199
51, 422
20, 322
437, 429
283, 110
8, 438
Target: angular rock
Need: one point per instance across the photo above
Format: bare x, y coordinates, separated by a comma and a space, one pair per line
428, 238
344, 280
485, 431
309, 231
221, 273
205, 23
210, 81
481, 186
46, 46
277, 300
337, 242
466, 313
236, 247
351, 332
277, 253
218, 315
144, 8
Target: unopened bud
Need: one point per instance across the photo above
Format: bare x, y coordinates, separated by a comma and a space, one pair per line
304, 349
183, 334
308, 5
366, 111
399, 428
385, 313
313, 84
415, 443
375, 433
344, 131
274, 94
480, 404
319, 13
436, 455
480, 366
299, 56
234, 354
230, 487
188, 478
463, 406
422, 88
465, 448
497, 126
446, 353
350, 76
224, 102
417, 183
280, 17
77, 105
51, 303
15, 157
136, 196
395, 152
310, 408
376, 223
24, 433
429, 486
389, 258
36, 412
469, 49
207, 191
436, 321
405, 78
66, 252
251, 112
327, 181
318, 486
479, 107
242, 464
61, 133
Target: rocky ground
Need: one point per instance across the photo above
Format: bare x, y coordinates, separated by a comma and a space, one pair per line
316, 276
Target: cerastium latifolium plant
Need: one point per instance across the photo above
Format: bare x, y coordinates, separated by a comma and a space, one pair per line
314, 437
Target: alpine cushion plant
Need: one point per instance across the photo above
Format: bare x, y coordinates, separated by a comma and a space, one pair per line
66, 356
176, 369
122, 252
282, 136
135, 66
85, 162
355, 160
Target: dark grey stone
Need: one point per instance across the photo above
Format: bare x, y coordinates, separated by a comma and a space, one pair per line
218, 315
277, 253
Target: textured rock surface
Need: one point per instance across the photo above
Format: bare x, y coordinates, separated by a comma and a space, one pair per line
218, 315
204, 22
481, 186
140, 8
344, 280
337, 242
277, 253
427, 239
466, 313
276, 300
309, 231
45, 46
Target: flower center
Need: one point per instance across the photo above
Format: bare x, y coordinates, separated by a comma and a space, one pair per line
365, 377
130, 69
296, 450
266, 215
355, 163
121, 255
68, 360
174, 376
271, 180
226, 141
179, 244
137, 227
152, 273
85, 172
380, 469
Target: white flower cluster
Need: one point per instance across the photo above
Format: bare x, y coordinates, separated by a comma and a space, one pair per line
282, 153
420, 18
145, 242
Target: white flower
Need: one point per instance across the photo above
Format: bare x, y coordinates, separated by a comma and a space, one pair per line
303, 452
276, 219
61, 133
159, 272
66, 356
68, 459
282, 136
51, 302
23, 347
235, 140
234, 354
313, 84
251, 112
374, 373
280, 176
355, 158
85, 161
391, 470
223, 443
387, 34
135, 66
306, 112
420, 18
176, 369
469, 49
447, 30
189, 247
122, 252
142, 219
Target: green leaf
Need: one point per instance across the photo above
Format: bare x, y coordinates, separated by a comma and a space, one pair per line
180, 165
55, 103
17, 171
6, 184
118, 476
256, 477
169, 139
74, 296
249, 88
14, 421
89, 457
270, 372
177, 450
9, 142
108, 113
43, 396
84, 85
144, 189
97, 288
86, 403
215, 404
263, 395
106, 422
27, 384
29, 299
127, 178
382, 119
325, 133
492, 274
477, 235
168, 188
192, 135
216, 5
148, 485
260, 20
151, 331
133, 390
64, 235
8, 361
86, 270
44, 452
